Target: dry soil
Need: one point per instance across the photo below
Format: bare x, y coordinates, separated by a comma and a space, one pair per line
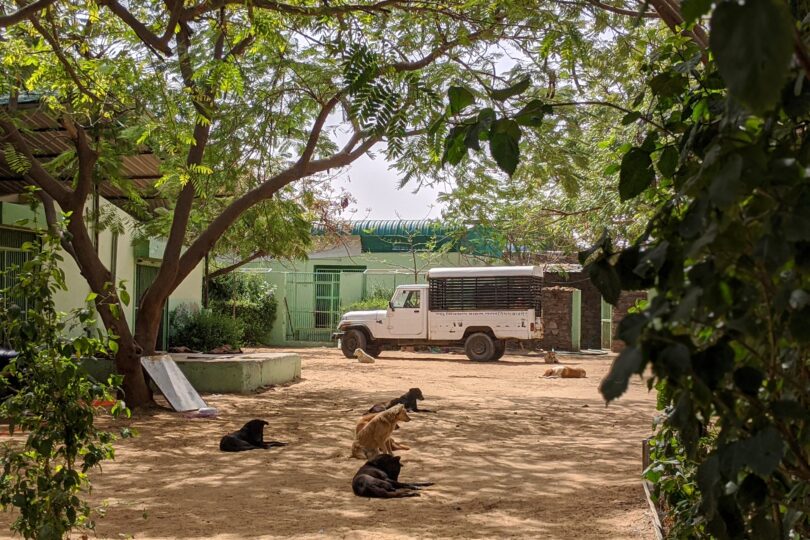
513, 455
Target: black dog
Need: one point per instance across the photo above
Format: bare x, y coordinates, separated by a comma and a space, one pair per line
250, 437
408, 399
379, 478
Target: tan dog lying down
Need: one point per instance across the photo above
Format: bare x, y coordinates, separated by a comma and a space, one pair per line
375, 437
390, 444
565, 372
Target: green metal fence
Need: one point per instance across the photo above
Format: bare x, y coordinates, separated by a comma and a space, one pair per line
12, 257
311, 307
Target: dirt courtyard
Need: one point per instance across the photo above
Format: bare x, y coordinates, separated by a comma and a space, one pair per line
513, 455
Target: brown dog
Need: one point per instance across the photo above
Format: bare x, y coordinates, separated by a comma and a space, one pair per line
565, 372
391, 444
373, 438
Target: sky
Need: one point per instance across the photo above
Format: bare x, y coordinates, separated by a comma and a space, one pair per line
374, 187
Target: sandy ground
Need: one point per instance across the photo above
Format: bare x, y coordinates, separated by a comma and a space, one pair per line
513, 455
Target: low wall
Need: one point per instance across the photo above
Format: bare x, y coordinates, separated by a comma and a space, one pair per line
211, 373
238, 374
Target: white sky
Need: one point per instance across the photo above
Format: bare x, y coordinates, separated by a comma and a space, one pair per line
374, 187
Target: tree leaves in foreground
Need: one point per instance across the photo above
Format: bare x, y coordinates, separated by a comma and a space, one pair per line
49, 401
726, 332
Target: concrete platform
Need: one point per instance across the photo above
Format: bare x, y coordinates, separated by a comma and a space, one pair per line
224, 373
239, 374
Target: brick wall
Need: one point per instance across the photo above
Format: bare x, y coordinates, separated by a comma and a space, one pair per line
557, 318
591, 332
627, 299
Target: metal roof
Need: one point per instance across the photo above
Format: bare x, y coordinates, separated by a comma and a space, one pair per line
48, 139
485, 271
398, 235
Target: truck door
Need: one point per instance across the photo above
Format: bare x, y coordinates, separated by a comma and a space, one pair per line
407, 319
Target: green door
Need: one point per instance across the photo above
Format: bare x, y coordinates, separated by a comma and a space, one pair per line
327, 299
145, 275
607, 325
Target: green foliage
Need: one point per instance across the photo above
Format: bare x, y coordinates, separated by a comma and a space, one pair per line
726, 252
378, 299
247, 298
51, 400
203, 329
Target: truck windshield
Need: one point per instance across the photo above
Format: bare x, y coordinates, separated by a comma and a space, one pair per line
407, 299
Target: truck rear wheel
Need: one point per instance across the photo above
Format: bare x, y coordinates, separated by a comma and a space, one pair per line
351, 340
479, 347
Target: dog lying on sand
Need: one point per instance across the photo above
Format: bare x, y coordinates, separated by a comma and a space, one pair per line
363, 357
565, 372
379, 478
250, 437
372, 438
408, 399
390, 444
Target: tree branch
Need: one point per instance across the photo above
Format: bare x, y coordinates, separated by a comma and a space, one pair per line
613, 106
147, 36
315, 132
36, 174
621, 11
438, 51
24, 12
53, 224
231, 268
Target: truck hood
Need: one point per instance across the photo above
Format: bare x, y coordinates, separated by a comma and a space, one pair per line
376, 315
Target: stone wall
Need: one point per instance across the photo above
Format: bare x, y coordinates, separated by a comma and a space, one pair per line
627, 299
557, 311
591, 306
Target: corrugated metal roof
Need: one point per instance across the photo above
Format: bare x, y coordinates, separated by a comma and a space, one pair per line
48, 139
397, 235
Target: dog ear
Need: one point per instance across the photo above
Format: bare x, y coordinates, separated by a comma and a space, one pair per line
397, 458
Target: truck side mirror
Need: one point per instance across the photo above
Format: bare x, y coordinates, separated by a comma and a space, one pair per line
391, 305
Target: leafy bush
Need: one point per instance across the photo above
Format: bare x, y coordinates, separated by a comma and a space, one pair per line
247, 298
51, 399
203, 330
378, 299
728, 252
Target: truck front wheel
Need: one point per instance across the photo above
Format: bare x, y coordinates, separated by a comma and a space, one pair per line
351, 340
480, 347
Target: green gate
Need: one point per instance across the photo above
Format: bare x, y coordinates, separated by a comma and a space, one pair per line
145, 275
607, 325
312, 305
12, 258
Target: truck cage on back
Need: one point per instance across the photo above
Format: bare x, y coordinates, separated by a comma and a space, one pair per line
502, 290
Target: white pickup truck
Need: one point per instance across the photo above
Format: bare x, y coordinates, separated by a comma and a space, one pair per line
477, 308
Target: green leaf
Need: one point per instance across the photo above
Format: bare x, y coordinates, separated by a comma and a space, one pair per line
615, 383
764, 451
726, 186
748, 379
693, 9
668, 161
630, 328
636, 175
459, 98
753, 45
605, 278
511, 91
504, 139
532, 114
124, 296
630, 117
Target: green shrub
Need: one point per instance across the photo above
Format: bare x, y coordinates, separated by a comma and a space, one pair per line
47, 396
203, 330
378, 299
246, 298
